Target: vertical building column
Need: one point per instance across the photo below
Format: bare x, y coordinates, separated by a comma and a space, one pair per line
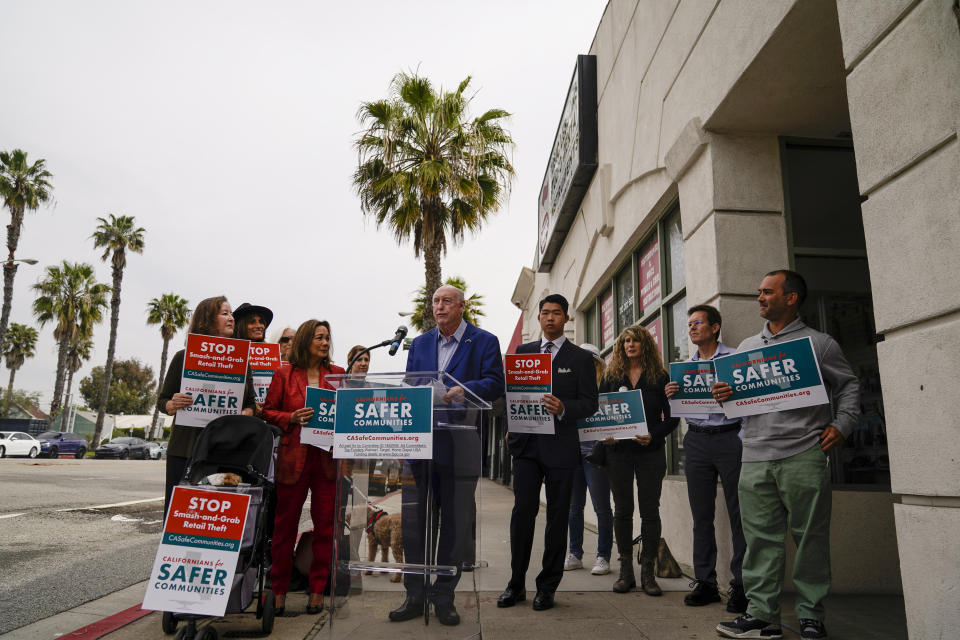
903, 82
731, 206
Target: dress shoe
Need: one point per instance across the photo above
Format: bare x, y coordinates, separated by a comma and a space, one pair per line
543, 600
703, 593
314, 609
447, 613
409, 610
510, 597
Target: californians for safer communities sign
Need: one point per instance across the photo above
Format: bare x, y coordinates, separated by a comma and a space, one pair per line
696, 380
772, 378
620, 415
194, 567
394, 422
319, 430
214, 372
528, 377
264, 362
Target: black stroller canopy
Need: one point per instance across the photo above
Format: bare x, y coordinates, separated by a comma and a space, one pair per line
233, 443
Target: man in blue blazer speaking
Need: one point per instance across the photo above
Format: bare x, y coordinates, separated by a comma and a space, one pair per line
471, 356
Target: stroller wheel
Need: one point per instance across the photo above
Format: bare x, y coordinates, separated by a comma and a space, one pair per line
207, 633
269, 609
168, 623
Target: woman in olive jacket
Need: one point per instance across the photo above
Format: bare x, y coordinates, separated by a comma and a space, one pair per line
212, 317
636, 364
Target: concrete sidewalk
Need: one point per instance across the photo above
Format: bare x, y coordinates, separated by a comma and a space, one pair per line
586, 607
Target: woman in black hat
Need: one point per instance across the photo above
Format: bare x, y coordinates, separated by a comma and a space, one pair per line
251, 322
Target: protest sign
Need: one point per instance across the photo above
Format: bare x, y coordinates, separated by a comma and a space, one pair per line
772, 378
319, 430
194, 567
214, 373
696, 380
392, 422
528, 377
620, 415
264, 362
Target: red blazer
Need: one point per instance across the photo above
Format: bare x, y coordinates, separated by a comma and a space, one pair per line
287, 393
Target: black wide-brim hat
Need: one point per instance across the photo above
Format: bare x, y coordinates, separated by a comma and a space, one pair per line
247, 309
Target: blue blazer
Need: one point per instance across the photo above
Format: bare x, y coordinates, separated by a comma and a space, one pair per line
477, 362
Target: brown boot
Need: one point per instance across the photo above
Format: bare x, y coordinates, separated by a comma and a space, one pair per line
626, 581
648, 581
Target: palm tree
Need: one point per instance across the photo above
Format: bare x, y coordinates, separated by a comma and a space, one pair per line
24, 187
115, 236
426, 170
472, 311
70, 296
172, 313
18, 345
78, 352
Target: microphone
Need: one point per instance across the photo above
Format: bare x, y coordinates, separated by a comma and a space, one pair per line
397, 339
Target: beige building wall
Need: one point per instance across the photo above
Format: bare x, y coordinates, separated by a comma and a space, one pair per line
694, 97
902, 63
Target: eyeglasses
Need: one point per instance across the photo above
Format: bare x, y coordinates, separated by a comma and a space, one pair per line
695, 323
285, 339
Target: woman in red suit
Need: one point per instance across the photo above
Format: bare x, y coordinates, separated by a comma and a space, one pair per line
301, 467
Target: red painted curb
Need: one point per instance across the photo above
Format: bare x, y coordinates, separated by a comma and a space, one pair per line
109, 624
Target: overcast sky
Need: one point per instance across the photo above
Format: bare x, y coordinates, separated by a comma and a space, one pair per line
226, 129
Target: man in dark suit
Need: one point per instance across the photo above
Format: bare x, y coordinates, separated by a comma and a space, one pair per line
471, 356
549, 459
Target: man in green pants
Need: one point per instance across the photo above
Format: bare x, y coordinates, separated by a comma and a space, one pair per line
785, 477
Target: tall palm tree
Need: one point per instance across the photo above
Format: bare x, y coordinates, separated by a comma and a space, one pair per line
172, 313
78, 352
472, 311
70, 296
19, 344
115, 236
427, 170
24, 187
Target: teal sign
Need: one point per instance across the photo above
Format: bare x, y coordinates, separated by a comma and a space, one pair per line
620, 415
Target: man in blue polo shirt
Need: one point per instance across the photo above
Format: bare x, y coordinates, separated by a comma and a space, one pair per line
712, 449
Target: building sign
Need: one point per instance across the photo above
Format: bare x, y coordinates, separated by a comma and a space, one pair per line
572, 163
650, 276
606, 319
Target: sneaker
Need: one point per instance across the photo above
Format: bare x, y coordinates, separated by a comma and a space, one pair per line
812, 629
572, 562
746, 626
736, 599
601, 567
703, 593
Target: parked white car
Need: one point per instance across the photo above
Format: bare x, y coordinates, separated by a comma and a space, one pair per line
18, 443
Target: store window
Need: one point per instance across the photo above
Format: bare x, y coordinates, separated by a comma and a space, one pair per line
648, 289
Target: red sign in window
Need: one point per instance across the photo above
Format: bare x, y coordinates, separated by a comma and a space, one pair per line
606, 319
650, 277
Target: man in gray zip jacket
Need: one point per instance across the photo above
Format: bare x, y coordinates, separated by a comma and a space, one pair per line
785, 476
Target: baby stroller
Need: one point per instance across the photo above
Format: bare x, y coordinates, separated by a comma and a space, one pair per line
244, 446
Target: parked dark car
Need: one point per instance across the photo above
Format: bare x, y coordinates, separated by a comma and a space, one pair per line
53, 444
123, 448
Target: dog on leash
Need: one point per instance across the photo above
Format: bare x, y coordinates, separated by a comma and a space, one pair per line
383, 531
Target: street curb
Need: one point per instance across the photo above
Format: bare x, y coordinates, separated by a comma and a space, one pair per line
109, 624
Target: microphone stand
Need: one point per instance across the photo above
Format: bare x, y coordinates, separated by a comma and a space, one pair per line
385, 343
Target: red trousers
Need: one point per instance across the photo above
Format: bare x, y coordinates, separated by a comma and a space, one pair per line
290, 499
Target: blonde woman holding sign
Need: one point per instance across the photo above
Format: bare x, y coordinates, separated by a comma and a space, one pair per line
636, 365
212, 317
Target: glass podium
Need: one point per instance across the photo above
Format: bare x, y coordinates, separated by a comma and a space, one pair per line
410, 527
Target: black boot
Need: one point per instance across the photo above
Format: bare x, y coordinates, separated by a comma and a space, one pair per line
626, 581
648, 579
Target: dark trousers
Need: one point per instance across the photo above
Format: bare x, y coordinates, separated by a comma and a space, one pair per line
528, 475
628, 462
176, 465
449, 523
707, 458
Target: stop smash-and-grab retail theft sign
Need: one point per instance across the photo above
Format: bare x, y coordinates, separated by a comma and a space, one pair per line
528, 377
194, 567
214, 373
